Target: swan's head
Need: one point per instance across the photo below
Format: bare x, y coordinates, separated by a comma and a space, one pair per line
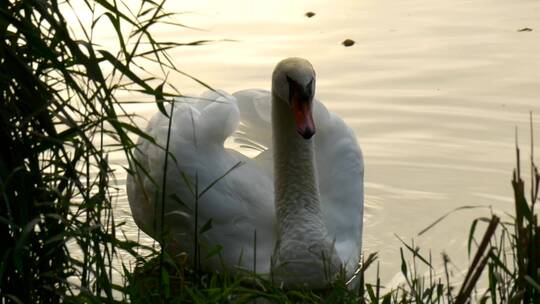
293, 82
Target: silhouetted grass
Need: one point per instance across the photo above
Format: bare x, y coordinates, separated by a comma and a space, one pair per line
59, 121
514, 256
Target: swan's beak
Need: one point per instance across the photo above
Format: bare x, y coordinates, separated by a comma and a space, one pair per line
303, 116
301, 101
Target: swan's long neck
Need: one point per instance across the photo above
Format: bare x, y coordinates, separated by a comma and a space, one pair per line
305, 253
297, 197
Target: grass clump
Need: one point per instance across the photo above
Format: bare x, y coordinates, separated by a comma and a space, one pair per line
59, 120
514, 255
182, 284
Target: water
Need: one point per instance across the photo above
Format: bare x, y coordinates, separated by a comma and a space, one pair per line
433, 89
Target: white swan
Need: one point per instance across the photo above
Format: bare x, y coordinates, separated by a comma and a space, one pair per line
306, 209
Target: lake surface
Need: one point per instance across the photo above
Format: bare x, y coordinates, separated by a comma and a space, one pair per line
433, 89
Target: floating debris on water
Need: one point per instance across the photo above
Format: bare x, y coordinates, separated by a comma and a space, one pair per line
310, 14
348, 42
525, 29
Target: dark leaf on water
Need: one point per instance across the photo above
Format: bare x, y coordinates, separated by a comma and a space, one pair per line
310, 14
525, 29
348, 42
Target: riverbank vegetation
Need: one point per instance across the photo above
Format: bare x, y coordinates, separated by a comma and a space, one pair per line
60, 120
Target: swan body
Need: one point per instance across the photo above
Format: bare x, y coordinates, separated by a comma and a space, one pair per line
294, 211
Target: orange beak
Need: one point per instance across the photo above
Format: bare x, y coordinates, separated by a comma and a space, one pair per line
301, 101
303, 116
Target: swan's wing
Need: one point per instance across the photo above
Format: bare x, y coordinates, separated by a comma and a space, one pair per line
239, 201
255, 129
341, 182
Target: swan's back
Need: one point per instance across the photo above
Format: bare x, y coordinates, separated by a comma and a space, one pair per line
241, 202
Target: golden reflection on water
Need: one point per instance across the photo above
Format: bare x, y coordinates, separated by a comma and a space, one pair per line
433, 90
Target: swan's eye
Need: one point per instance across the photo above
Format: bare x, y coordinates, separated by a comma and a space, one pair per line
289, 79
309, 88
299, 92
292, 86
